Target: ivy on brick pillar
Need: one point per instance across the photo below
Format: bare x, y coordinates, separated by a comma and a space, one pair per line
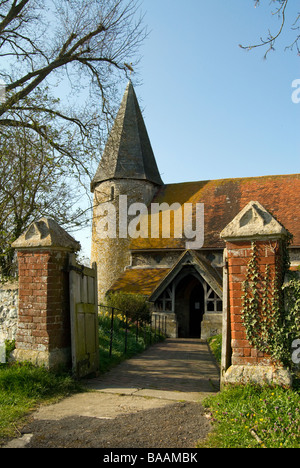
43, 332
253, 228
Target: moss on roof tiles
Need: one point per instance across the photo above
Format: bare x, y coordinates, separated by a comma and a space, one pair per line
140, 280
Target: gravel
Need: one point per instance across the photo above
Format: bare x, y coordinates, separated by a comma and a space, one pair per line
178, 425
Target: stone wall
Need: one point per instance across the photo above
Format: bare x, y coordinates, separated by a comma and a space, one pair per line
8, 310
211, 325
167, 258
112, 255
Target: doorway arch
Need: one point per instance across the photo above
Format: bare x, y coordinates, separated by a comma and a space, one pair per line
175, 301
189, 306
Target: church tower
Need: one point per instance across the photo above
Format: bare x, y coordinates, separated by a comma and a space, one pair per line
127, 167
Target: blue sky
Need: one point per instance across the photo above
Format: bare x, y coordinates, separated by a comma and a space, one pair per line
213, 110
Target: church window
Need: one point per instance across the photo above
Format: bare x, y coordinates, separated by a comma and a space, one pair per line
213, 302
166, 301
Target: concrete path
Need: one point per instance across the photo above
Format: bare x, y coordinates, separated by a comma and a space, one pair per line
173, 371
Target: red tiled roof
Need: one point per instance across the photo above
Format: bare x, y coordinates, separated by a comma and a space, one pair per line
224, 199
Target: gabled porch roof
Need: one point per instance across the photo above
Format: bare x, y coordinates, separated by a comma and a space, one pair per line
197, 264
152, 282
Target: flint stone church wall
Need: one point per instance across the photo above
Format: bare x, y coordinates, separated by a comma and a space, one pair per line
112, 254
9, 294
167, 258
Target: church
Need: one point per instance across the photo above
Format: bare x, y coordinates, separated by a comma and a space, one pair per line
154, 254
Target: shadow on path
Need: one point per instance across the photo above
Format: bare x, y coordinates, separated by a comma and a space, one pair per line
175, 365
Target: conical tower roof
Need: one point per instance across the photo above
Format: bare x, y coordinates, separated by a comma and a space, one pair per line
128, 153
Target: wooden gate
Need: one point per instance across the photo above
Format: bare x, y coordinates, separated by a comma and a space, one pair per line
84, 318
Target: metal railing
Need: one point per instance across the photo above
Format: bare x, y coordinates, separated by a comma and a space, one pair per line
151, 333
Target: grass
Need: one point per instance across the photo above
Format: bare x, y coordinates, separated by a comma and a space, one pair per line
215, 344
240, 412
250, 416
23, 387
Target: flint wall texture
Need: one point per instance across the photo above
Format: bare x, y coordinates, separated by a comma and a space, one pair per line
112, 255
9, 294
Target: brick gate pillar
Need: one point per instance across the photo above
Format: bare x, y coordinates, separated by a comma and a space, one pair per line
252, 225
43, 332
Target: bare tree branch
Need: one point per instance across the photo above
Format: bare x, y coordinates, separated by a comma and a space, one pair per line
14, 12
48, 146
99, 38
270, 41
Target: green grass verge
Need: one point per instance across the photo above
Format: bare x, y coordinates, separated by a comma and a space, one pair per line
249, 416
240, 413
23, 387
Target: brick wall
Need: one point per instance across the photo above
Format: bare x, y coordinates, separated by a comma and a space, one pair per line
43, 301
239, 255
242, 362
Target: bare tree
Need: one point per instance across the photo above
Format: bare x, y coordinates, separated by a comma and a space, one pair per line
281, 10
48, 145
35, 181
88, 41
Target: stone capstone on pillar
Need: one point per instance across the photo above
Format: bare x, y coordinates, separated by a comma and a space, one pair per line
46, 233
254, 222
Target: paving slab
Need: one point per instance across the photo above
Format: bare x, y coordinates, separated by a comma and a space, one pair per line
99, 405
